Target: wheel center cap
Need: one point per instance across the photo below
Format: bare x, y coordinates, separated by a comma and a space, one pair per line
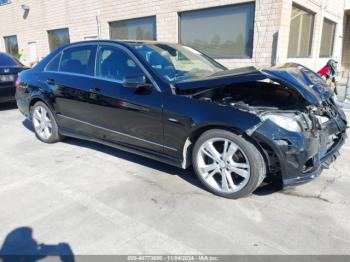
222, 165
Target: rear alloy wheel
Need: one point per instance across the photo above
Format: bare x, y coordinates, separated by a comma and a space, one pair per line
227, 164
44, 123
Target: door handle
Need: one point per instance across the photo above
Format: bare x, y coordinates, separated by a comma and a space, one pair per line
50, 81
174, 120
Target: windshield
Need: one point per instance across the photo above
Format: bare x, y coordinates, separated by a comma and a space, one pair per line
176, 62
6, 60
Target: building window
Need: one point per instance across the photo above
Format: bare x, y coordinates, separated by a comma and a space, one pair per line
327, 40
58, 38
301, 31
220, 32
4, 2
134, 29
11, 45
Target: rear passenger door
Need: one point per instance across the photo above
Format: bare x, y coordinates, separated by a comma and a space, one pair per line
77, 98
73, 81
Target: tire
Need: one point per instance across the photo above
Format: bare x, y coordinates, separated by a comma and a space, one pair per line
37, 113
236, 173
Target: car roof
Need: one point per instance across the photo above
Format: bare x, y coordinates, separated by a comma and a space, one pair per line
9, 57
124, 42
5, 54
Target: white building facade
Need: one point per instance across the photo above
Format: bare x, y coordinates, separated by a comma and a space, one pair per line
235, 32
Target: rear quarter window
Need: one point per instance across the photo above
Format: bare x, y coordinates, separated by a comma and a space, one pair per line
54, 64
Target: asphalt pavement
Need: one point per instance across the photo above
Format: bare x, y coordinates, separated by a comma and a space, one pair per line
92, 199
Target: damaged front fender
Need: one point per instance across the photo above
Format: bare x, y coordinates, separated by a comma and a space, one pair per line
297, 157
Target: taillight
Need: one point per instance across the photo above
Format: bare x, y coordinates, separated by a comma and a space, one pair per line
18, 82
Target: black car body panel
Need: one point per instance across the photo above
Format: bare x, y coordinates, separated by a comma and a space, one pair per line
164, 121
9, 69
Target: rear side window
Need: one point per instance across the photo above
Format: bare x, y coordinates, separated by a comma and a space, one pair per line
79, 60
53, 65
115, 64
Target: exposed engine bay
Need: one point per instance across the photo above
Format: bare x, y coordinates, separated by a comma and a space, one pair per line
264, 97
258, 95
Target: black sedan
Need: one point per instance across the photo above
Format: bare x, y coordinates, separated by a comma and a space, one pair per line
9, 69
174, 104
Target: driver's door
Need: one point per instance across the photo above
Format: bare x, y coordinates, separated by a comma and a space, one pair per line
131, 115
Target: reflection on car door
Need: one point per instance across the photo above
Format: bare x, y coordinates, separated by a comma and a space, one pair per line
129, 115
78, 103
71, 81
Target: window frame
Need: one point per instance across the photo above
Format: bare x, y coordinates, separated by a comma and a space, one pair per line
133, 57
52, 30
75, 46
98, 44
8, 36
312, 31
135, 18
250, 56
333, 38
96, 63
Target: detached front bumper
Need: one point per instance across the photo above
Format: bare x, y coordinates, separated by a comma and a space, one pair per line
300, 157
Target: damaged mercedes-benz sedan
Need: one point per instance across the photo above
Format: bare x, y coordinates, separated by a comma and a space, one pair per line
174, 104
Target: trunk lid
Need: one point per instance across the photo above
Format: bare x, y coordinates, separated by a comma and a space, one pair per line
4, 70
8, 74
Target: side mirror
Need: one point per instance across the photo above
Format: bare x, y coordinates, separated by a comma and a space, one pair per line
136, 82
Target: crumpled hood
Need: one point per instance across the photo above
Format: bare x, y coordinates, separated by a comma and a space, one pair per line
310, 85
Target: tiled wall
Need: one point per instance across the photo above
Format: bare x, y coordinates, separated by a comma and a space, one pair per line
271, 17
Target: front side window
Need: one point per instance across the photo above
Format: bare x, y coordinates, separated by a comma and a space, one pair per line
134, 29
11, 45
327, 40
301, 32
176, 62
114, 64
79, 60
221, 32
58, 38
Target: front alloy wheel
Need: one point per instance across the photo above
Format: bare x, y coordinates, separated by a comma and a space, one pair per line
228, 165
223, 165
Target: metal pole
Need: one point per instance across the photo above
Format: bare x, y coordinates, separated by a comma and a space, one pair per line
347, 89
98, 22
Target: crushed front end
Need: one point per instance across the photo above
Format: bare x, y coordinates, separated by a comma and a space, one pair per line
301, 128
298, 155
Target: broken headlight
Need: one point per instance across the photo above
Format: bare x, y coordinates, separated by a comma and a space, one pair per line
285, 121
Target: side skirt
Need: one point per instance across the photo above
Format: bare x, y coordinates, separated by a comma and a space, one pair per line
128, 148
